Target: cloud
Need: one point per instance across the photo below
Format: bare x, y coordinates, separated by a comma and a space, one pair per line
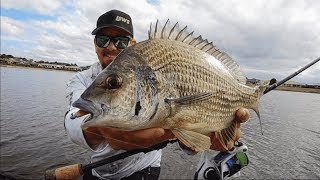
11, 27
42, 7
267, 38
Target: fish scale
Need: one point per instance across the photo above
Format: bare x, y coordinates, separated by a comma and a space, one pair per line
183, 76
196, 89
192, 69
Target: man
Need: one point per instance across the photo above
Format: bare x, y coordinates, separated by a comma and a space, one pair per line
113, 33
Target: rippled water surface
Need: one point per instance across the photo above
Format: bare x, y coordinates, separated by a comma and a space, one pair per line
33, 138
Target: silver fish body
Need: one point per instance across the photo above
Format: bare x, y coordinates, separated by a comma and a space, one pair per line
177, 82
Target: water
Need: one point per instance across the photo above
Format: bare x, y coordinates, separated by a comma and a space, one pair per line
290, 146
33, 138
32, 129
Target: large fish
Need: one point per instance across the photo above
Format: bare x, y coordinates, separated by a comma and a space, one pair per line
172, 80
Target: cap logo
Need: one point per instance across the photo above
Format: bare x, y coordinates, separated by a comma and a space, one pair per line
120, 18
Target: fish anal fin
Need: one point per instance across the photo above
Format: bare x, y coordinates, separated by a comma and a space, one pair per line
227, 136
195, 141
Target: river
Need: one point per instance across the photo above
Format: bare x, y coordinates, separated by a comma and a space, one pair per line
33, 138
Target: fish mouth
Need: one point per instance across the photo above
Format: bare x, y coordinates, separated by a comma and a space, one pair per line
87, 106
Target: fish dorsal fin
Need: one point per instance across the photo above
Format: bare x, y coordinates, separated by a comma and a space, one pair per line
174, 32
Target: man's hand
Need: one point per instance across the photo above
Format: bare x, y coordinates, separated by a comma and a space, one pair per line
242, 115
127, 140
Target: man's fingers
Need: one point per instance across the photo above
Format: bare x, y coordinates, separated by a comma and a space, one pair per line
215, 143
145, 134
242, 115
138, 135
151, 133
135, 139
238, 133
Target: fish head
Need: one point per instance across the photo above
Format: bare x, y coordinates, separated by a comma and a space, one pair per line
127, 93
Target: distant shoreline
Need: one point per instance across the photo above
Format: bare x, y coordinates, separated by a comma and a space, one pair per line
280, 88
39, 68
298, 89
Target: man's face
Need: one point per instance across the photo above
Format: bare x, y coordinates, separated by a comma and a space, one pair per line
106, 55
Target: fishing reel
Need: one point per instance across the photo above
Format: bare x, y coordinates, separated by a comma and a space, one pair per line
224, 164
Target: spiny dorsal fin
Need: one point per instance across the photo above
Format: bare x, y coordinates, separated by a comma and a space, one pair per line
175, 33
163, 32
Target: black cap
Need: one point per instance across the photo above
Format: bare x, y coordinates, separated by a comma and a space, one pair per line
114, 18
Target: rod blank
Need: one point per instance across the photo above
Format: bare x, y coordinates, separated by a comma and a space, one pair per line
274, 85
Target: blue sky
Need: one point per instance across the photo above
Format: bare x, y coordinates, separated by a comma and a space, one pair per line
268, 38
25, 14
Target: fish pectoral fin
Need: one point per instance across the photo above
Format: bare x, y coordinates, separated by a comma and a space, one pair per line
195, 141
227, 136
192, 98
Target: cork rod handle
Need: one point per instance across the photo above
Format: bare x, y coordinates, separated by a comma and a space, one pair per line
67, 172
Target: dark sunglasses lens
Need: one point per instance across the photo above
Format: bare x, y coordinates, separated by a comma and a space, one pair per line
102, 41
121, 42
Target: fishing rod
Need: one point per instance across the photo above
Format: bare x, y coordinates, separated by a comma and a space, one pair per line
276, 84
75, 171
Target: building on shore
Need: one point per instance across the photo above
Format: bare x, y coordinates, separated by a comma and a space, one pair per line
17, 61
59, 67
72, 68
50, 66
252, 81
10, 61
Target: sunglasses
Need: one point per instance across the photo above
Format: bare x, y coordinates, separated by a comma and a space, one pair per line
119, 42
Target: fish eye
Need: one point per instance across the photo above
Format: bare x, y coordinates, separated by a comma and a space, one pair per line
113, 82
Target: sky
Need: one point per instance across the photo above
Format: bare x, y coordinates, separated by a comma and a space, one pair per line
268, 38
